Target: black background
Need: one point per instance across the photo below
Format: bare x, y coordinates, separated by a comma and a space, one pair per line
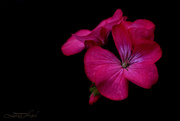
35, 75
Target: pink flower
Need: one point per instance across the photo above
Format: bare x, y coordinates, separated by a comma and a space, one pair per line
136, 64
86, 38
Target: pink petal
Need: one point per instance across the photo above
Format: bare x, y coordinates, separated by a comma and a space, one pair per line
104, 35
93, 99
96, 58
122, 40
72, 45
111, 83
140, 29
115, 18
117, 15
111, 21
139, 34
104, 68
98, 35
101, 32
127, 24
104, 22
142, 74
146, 51
143, 23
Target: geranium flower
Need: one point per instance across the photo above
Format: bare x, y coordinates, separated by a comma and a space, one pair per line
136, 64
86, 38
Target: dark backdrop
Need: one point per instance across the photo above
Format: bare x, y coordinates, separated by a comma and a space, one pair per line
35, 75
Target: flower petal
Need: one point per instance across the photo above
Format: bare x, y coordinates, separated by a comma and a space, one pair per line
142, 74
115, 18
96, 58
101, 32
127, 24
104, 22
146, 51
104, 68
117, 15
72, 45
143, 23
111, 83
139, 34
140, 29
122, 41
98, 35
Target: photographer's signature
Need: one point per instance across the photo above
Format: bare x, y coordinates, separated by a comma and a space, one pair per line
29, 114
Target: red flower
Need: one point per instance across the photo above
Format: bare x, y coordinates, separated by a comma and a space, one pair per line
86, 38
111, 75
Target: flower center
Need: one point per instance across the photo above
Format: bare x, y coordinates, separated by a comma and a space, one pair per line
125, 64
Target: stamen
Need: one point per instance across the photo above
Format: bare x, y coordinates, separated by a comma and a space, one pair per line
125, 64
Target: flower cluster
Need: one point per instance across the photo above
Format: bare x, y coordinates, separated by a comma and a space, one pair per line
137, 50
